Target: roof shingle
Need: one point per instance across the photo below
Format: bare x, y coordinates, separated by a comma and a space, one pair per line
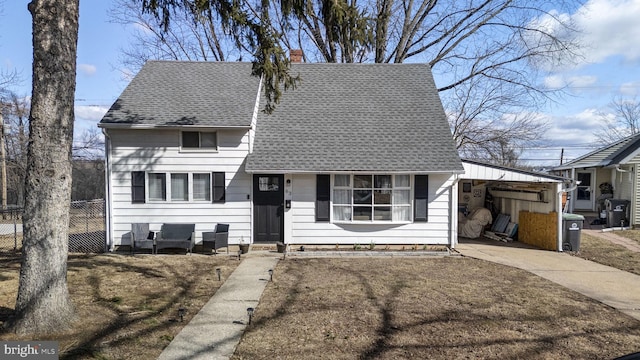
357, 117
175, 93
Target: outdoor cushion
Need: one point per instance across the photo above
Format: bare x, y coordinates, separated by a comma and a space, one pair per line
176, 236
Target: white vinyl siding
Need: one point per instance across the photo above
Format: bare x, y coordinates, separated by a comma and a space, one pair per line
159, 151
306, 230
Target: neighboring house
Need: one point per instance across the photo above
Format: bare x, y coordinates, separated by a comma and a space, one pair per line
610, 172
355, 154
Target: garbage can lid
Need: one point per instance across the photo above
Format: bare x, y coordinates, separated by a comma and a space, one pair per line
573, 217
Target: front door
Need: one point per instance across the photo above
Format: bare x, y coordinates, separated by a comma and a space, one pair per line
585, 192
268, 208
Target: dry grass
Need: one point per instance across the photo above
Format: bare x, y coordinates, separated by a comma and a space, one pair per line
435, 308
630, 234
126, 305
383, 308
606, 253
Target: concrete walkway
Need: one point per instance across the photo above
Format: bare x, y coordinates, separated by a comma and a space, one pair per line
614, 238
616, 288
217, 328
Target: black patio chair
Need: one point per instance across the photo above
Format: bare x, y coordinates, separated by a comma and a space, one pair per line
141, 237
216, 239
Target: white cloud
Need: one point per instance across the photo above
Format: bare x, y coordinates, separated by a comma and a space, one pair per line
87, 69
577, 82
607, 28
554, 82
630, 88
582, 81
91, 113
610, 27
574, 129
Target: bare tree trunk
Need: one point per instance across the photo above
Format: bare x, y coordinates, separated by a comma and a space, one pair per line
43, 303
3, 165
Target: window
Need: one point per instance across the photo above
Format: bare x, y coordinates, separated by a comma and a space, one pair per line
199, 140
371, 198
157, 186
179, 187
182, 187
201, 187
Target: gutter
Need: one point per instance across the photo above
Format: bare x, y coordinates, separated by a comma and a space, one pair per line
320, 171
170, 127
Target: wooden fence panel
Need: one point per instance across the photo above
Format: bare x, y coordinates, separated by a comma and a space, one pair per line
540, 230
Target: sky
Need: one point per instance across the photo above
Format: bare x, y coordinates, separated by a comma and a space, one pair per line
609, 67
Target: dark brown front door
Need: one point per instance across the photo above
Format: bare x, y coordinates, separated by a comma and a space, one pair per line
268, 208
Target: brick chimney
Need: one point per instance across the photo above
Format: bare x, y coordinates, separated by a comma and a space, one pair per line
295, 55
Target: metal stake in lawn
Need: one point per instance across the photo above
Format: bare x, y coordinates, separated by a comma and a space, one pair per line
250, 313
270, 274
218, 271
181, 312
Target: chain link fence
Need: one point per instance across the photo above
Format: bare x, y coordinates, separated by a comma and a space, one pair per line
86, 227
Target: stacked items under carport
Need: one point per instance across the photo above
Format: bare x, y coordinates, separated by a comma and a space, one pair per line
502, 229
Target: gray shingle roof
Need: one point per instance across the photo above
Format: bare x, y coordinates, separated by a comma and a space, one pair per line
357, 117
608, 155
169, 93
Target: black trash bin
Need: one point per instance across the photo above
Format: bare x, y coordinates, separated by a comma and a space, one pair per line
617, 212
571, 228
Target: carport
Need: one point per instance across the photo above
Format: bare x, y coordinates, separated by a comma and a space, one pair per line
530, 200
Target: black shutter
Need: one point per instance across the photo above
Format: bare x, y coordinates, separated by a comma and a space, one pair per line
421, 198
137, 187
323, 197
218, 187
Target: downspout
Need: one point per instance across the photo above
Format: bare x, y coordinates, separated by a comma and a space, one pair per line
107, 193
453, 212
574, 195
559, 209
632, 200
622, 170
252, 135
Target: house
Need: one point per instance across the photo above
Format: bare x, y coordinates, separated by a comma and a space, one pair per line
609, 172
355, 154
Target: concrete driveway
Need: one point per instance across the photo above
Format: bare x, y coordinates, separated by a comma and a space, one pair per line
616, 288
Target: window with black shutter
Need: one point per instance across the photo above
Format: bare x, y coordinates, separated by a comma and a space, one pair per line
218, 187
421, 198
137, 187
323, 197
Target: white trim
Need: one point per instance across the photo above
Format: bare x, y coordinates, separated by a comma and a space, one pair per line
334, 172
254, 116
351, 188
169, 127
109, 245
168, 176
560, 225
